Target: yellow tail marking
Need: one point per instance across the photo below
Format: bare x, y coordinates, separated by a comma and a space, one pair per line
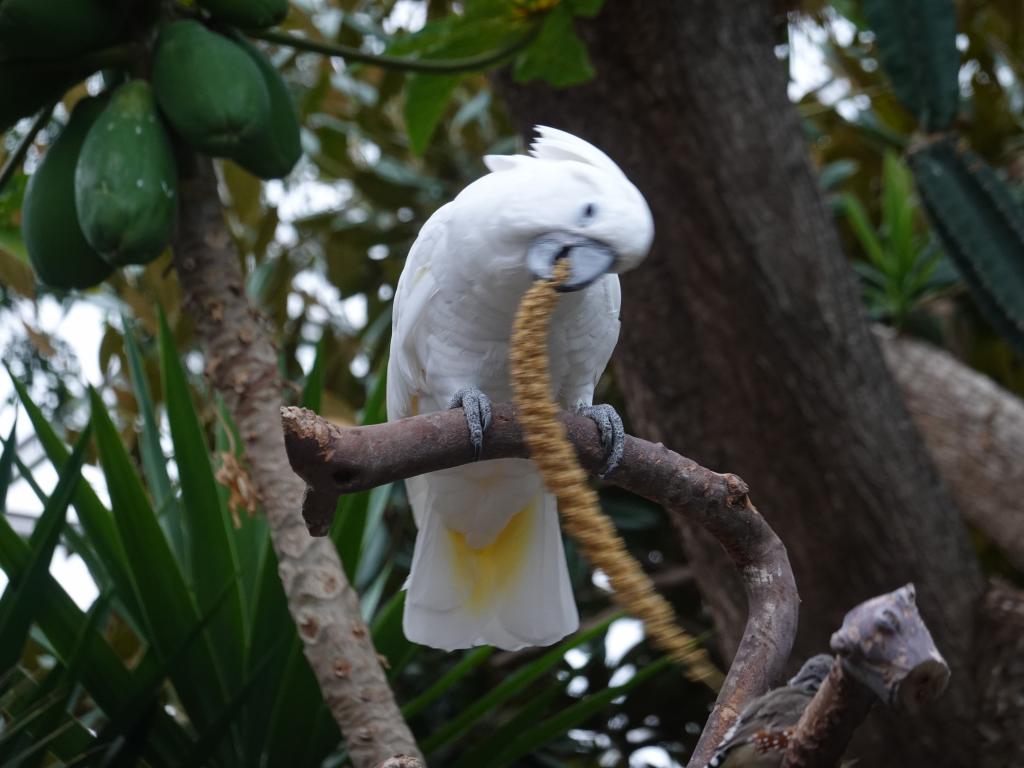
414, 405
492, 569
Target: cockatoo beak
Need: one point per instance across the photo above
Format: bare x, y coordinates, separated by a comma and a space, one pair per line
588, 258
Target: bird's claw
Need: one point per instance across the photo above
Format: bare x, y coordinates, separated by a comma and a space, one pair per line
613, 434
477, 407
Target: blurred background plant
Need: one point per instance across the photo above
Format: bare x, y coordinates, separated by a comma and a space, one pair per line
322, 251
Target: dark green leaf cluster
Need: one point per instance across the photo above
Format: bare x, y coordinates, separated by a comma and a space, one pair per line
551, 52
189, 656
973, 211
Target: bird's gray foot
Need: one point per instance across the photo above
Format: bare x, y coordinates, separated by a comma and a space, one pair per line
477, 406
609, 427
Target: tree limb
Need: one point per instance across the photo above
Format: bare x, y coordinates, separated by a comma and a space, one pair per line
333, 461
401, 761
241, 363
974, 431
883, 651
398, 63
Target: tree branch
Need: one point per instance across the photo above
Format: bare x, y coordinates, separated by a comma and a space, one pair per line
241, 363
333, 461
883, 651
974, 431
402, 64
17, 156
401, 761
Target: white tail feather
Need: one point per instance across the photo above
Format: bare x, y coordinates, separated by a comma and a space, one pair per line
513, 592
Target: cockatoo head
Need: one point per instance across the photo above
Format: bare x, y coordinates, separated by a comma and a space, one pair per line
569, 200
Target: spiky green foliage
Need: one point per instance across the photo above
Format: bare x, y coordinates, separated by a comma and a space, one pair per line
981, 227
202, 616
917, 46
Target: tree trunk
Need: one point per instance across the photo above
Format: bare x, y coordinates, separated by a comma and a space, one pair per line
744, 343
974, 431
241, 363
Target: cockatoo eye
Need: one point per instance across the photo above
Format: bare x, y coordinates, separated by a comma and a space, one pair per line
589, 211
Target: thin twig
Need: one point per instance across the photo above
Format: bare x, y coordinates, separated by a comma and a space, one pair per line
426, 66
333, 460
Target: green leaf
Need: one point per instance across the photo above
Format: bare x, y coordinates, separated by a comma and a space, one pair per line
212, 554
388, 637
65, 738
290, 734
458, 726
557, 55
530, 740
250, 536
312, 391
7, 464
376, 539
426, 97
631, 513
917, 49
154, 463
525, 716
350, 531
211, 739
95, 518
470, 661
370, 597
270, 620
375, 411
19, 599
586, 8
76, 542
140, 711
42, 717
981, 227
865, 233
898, 213
62, 622
835, 173
169, 610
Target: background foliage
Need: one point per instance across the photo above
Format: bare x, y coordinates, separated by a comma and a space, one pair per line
197, 658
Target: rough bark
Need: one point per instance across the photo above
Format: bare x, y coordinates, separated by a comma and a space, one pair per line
1001, 677
333, 460
744, 344
974, 431
828, 723
241, 363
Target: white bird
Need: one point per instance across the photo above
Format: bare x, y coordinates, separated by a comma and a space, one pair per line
488, 566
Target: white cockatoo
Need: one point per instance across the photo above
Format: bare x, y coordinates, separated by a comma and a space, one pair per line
488, 565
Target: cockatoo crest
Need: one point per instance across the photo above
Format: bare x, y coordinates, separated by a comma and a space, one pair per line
553, 144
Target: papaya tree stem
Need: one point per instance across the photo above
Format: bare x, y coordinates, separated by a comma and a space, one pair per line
18, 155
426, 66
241, 364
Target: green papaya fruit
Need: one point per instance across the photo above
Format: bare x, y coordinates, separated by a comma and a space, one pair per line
59, 252
248, 14
274, 151
25, 89
34, 29
126, 183
210, 90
